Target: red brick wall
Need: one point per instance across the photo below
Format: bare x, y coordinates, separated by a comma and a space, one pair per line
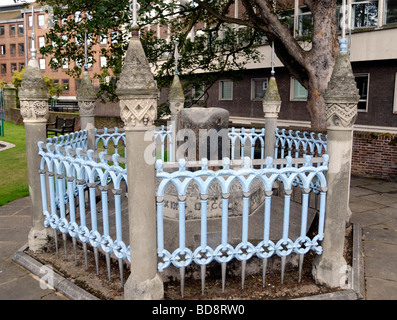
375, 155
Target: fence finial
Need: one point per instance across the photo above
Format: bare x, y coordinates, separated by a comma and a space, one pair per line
134, 7
33, 50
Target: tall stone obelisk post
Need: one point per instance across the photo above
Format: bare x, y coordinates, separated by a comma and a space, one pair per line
33, 96
271, 108
86, 98
176, 99
137, 91
341, 99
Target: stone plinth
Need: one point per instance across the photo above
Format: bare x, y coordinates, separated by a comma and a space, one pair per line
203, 133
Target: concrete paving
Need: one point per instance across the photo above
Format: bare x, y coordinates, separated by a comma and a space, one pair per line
374, 206
373, 203
17, 283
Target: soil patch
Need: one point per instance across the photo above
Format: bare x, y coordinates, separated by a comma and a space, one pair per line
101, 287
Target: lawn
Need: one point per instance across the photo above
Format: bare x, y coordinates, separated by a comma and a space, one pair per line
13, 167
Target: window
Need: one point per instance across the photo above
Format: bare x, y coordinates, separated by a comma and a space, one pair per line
3, 68
2, 49
77, 16
115, 36
305, 21
21, 48
258, 88
226, 90
298, 92
198, 92
14, 67
64, 40
42, 64
364, 14
362, 81
12, 30
65, 63
30, 21
41, 42
40, 18
21, 66
104, 39
390, 11
54, 64
103, 62
65, 84
20, 29
13, 49
1, 30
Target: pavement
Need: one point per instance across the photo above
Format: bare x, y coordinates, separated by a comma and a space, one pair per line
373, 203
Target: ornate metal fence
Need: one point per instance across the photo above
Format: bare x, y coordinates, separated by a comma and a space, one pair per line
66, 175
75, 185
307, 176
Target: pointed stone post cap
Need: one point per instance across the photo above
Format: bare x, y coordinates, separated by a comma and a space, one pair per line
86, 90
136, 88
86, 96
341, 97
176, 97
136, 77
32, 85
271, 101
33, 94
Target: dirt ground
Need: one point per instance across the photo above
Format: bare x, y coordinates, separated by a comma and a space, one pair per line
101, 287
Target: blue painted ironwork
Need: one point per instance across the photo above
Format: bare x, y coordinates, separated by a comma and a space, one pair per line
308, 176
104, 136
65, 174
163, 136
74, 140
251, 138
297, 144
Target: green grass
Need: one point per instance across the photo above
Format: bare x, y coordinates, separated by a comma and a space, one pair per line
13, 167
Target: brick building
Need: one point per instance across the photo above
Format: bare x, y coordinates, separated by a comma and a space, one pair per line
15, 44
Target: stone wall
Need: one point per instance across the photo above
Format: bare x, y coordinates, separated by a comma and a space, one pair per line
375, 155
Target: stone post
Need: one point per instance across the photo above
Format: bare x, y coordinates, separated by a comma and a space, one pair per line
176, 99
86, 98
341, 100
137, 91
10, 100
33, 97
271, 109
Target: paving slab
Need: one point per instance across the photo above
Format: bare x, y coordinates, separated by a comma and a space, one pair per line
380, 235
380, 260
359, 191
379, 289
382, 187
383, 198
364, 205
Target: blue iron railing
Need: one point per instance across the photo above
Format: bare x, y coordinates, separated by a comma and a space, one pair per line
307, 176
243, 142
75, 185
65, 175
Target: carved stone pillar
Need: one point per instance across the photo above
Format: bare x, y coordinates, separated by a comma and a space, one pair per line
138, 92
271, 108
86, 98
341, 100
33, 97
176, 99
